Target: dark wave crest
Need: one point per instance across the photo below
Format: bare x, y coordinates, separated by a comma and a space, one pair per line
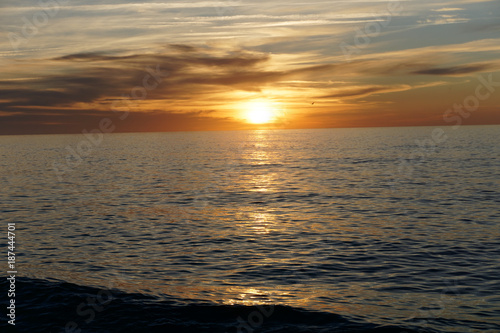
57, 306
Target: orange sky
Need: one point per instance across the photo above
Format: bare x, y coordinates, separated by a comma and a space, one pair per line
180, 66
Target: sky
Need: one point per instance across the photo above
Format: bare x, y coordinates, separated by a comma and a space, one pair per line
68, 66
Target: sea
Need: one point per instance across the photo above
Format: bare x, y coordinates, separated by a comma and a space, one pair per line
388, 230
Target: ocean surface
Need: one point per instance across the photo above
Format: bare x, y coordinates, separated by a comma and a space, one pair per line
337, 230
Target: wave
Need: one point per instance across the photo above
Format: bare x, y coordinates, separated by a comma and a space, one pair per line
58, 306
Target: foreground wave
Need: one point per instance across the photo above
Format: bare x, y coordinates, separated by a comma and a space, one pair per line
58, 306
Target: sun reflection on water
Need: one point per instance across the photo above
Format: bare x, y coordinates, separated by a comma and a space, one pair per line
261, 223
250, 296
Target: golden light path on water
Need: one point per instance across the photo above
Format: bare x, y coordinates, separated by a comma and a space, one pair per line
291, 218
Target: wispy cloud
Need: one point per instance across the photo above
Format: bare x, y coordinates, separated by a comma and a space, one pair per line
219, 53
455, 70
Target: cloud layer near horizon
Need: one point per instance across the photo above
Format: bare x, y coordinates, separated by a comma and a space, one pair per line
87, 58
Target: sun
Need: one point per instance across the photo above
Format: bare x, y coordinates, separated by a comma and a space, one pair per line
259, 112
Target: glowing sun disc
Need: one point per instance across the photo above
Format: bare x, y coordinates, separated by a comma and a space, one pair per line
259, 112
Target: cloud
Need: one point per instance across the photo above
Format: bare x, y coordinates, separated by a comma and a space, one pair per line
74, 121
455, 70
427, 64
483, 26
88, 77
364, 91
448, 9
359, 92
76, 88
195, 76
93, 56
183, 48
